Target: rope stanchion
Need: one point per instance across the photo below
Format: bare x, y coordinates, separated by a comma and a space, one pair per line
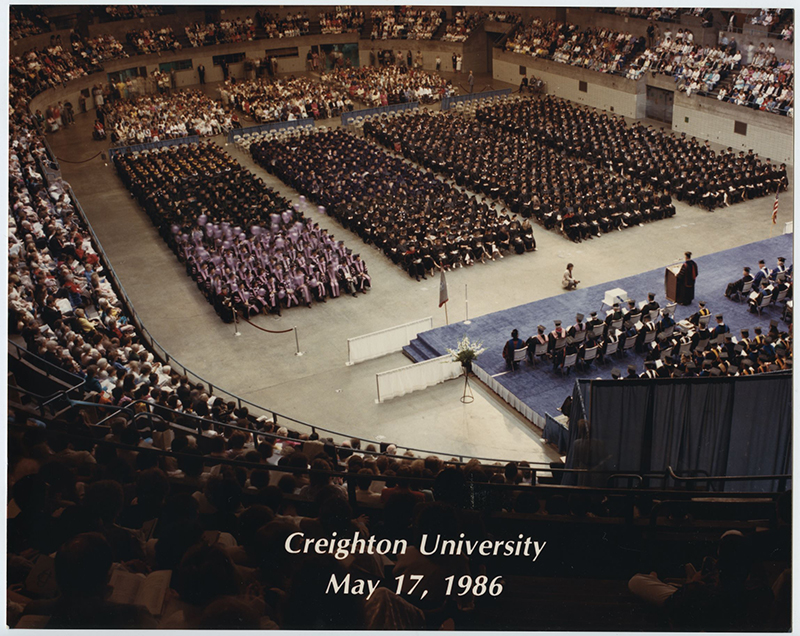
267, 330
297, 343
82, 161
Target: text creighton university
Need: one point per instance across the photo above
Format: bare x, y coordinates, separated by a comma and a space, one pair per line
341, 548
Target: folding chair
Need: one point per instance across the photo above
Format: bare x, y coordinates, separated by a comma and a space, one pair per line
539, 351
633, 317
744, 292
765, 302
589, 355
519, 356
568, 363
630, 343
668, 330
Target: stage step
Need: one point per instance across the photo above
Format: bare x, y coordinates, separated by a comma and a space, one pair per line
419, 351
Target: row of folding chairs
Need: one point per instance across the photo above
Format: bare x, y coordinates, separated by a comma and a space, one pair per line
243, 141
590, 354
766, 301
360, 120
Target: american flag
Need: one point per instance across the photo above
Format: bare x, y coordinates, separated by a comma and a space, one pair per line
775, 209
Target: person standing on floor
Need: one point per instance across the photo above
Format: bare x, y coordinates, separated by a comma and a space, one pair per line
471, 81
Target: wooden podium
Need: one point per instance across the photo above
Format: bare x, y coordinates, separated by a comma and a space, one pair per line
671, 282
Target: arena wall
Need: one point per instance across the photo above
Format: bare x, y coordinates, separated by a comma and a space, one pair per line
18, 47
768, 135
609, 92
178, 21
429, 49
620, 23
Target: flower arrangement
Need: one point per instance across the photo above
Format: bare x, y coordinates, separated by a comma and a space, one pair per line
466, 351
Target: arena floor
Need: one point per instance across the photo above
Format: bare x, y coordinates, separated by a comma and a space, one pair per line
317, 387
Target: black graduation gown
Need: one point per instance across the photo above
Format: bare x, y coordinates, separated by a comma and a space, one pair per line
684, 292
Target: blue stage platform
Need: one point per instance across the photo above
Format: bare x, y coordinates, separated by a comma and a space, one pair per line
537, 390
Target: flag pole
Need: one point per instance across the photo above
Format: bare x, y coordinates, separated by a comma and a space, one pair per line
774, 212
443, 296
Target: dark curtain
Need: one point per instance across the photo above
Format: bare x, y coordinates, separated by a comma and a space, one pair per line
581, 395
691, 426
714, 426
761, 432
616, 424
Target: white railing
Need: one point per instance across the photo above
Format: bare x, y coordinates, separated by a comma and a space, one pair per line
416, 377
380, 343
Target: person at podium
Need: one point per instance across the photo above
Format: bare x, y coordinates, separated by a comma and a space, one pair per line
684, 292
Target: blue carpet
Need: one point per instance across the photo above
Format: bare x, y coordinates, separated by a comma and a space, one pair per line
542, 389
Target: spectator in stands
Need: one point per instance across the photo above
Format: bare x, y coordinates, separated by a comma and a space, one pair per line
341, 20
223, 32
206, 573
82, 570
153, 41
406, 23
291, 25
433, 520
724, 593
284, 99
399, 85
464, 24
364, 495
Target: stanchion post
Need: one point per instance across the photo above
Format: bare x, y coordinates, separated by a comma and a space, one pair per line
467, 321
297, 342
